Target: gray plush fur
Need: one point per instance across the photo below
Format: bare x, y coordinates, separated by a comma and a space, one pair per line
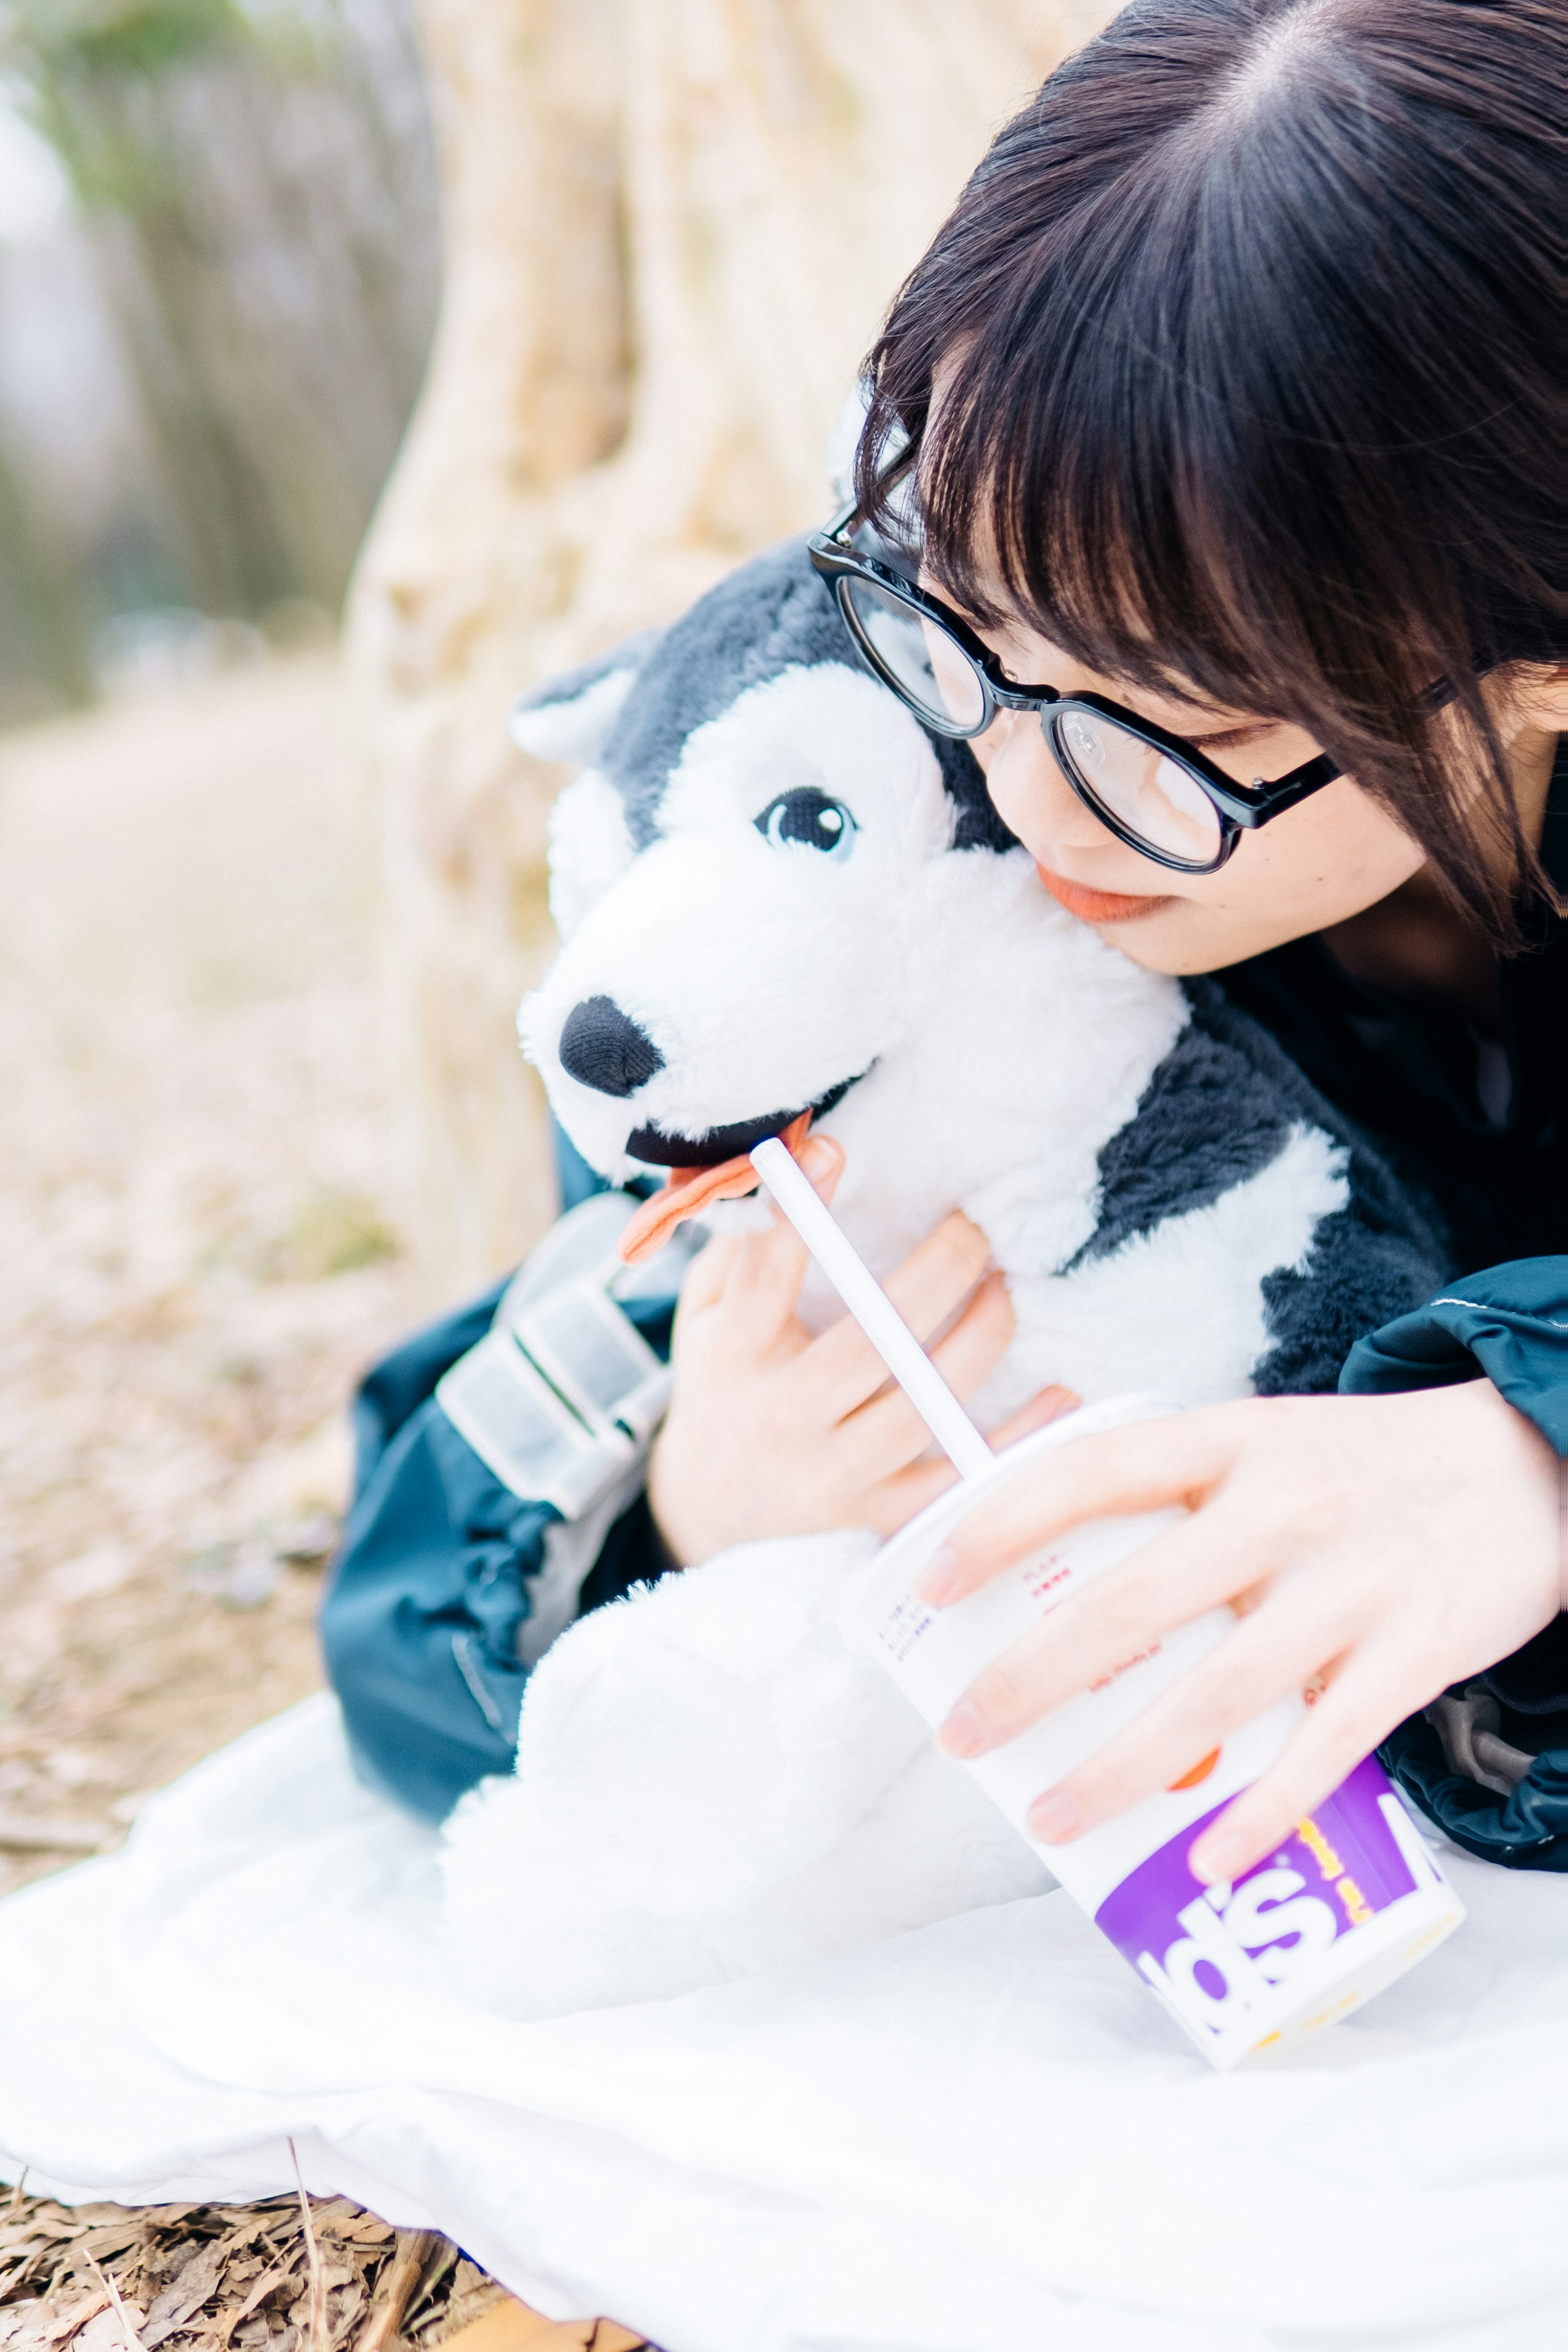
771, 616
631, 653
1215, 1112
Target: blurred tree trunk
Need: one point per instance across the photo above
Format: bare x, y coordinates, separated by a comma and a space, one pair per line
41, 636
211, 361
269, 252
671, 229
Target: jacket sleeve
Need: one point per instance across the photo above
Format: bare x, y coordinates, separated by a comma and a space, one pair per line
1509, 1324
428, 1622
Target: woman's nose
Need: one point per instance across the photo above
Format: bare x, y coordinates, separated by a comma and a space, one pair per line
1031, 794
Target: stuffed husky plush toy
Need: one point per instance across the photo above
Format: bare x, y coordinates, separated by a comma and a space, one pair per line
783, 900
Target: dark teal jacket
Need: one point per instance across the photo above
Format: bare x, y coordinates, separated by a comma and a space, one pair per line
435, 1578
1510, 1324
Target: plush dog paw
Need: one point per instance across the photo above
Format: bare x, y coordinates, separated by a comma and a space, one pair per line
709, 1783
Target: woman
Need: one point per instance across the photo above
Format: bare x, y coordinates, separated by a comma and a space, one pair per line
1232, 397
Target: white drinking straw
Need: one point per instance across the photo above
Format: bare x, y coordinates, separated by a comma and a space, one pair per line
873, 1310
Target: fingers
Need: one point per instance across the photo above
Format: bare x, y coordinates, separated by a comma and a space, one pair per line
889, 1429
936, 1276
1269, 1657
822, 1159
1047, 1405
1177, 1576
932, 1281
704, 1280
1177, 1459
893, 1502
763, 1276
1372, 1690
968, 1354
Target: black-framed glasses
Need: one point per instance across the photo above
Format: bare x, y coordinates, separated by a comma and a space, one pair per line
1154, 791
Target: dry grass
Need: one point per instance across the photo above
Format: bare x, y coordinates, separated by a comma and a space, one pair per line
289, 2274
195, 2278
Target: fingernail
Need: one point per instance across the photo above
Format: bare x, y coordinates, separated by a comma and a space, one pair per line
1055, 1817
1217, 1859
964, 1732
816, 1158
942, 1579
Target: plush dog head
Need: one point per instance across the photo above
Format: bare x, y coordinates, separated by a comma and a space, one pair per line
737, 873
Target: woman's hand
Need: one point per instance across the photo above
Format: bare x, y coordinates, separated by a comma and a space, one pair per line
1377, 1547
772, 1432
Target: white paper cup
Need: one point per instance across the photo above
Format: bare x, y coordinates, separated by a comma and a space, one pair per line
1339, 1908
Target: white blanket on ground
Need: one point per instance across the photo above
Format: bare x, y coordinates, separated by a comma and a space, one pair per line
983, 2133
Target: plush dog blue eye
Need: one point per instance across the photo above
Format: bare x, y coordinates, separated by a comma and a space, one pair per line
809, 820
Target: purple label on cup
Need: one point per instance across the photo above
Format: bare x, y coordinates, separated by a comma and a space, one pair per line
1221, 1952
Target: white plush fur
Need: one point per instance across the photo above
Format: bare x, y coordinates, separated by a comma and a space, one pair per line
590, 848
708, 1783
1004, 1042
1181, 1308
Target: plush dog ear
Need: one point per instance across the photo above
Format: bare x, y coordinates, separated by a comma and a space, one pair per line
590, 848
570, 717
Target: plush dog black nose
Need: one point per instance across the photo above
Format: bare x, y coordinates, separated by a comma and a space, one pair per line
603, 1048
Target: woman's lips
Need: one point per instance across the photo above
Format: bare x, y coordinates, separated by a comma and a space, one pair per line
1098, 906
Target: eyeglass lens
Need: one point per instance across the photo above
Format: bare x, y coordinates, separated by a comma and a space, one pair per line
1132, 780
918, 656
1146, 792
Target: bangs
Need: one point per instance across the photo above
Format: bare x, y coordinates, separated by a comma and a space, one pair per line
1225, 378
1150, 456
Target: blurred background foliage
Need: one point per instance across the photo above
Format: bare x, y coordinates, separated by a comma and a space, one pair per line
218, 279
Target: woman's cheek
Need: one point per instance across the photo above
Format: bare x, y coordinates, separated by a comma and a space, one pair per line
1034, 799
1335, 856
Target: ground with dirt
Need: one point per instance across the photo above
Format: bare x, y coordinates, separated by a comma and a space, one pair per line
199, 1227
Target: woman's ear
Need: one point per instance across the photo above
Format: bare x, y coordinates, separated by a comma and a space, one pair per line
571, 716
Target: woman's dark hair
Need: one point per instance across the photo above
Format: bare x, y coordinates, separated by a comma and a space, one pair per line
1250, 331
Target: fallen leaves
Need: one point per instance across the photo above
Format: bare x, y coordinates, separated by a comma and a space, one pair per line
193, 2286
289, 2274
198, 2278
127, 2318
